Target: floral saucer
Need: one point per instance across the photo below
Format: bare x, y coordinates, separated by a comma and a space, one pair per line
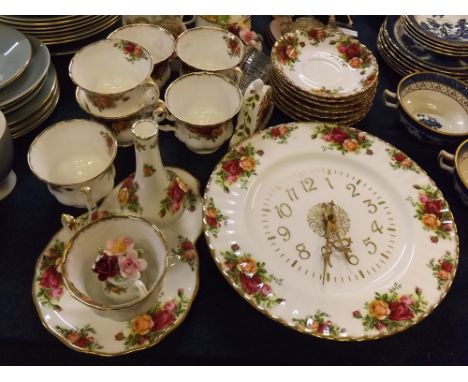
322, 61
79, 328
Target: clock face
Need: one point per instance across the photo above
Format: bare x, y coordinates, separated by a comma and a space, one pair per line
330, 231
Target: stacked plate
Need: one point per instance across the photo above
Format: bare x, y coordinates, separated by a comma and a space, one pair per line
29, 88
323, 75
402, 46
61, 31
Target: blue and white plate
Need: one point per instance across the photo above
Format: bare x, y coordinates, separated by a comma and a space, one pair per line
15, 54
30, 78
451, 30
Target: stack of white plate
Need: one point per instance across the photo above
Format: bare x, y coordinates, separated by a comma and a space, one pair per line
323, 75
408, 44
29, 88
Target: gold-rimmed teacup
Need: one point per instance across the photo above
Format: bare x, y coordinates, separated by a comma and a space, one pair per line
211, 49
73, 154
83, 282
202, 105
458, 167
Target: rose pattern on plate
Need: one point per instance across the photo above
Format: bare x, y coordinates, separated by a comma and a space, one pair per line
318, 323
128, 197
238, 165
286, 50
233, 45
49, 277
103, 102
279, 133
178, 195
148, 170
351, 51
109, 141
315, 35
251, 276
214, 218
443, 269
344, 139
401, 161
392, 311
80, 337
185, 252
208, 133
324, 91
433, 212
147, 328
132, 50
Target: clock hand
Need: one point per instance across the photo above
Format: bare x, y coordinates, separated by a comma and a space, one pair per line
327, 248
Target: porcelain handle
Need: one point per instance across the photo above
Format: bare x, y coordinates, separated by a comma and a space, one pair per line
151, 95
90, 203
142, 291
447, 156
388, 94
68, 222
161, 113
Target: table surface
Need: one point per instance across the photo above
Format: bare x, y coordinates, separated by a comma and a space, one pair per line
221, 328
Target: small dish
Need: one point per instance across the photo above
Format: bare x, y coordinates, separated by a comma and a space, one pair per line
451, 30
459, 169
15, 54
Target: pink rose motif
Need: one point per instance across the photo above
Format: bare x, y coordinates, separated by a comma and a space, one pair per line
434, 207
339, 135
232, 167
379, 326
131, 266
57, 292
407, 300
249, 37
51, 279
169, 306
176, 193
327, 137
423, 198
266, 290
119, 246
399, 311
162, 319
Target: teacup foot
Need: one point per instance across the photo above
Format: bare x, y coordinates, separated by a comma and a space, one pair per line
8, 184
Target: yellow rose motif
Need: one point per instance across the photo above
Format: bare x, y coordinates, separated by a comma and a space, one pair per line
443, 275
379, 309
283, 130
247, 163
355, 62
211, 213
350, 145
406, 163
142, 324
247, 266
430, 221
315, 326
73, 336
123, 195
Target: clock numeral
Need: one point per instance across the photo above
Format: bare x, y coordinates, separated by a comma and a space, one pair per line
329, 183
372, 207
284, 233
369, 243
303, 253
292, 194
352, 187
376, 227
308, 185
284, 211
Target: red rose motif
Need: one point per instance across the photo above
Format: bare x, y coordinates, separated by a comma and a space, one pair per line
399, 157
175, 193
379, 326
399, 311
162, 319
275, 132
129, 47
321, 328
250, 284
186, 245
354, 50
127, 183
342, 48
106, 266
433, 207
51, 279
82, 342
446, 266
211, 221
339, 136
232, 167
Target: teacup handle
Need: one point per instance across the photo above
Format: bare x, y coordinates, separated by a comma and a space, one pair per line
90, 203
388, 94
142, 291
447, 156
161, 113
151, 96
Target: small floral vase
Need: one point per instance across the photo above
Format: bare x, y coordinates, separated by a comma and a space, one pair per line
153, 192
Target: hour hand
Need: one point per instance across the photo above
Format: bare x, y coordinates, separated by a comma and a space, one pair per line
326, 253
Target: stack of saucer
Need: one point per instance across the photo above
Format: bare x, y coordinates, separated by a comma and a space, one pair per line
29, 88
61, 33
408, 44
323, 75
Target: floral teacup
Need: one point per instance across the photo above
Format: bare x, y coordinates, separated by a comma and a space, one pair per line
459, 169
114, 73
224, 21
203, 105
212, 50
74, 154
159, 43
126, 277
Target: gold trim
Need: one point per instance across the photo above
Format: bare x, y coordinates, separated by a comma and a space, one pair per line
457, 153
155, 134
114, 152
21, 69
200, 74
58, 29
78, 295
105, 41
165, 31
36, 22
224, 32
298, 328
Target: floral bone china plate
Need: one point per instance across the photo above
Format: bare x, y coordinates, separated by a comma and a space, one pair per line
326, 62
330, 231
80, 329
